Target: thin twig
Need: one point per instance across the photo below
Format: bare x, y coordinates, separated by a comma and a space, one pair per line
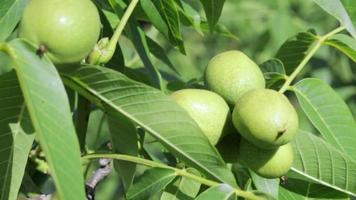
98, 175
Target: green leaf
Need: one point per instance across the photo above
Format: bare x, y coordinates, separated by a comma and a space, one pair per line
151, 182
268, 186
5, 64
21, 148
189, 16
183, 188
345, 44
165, 17
124, 141
337, 10
300, 189
48, 107
160, 53
14, 143
153, 111
294, 50
274, 73
350, 8
320, 162
138, 38
219, 30
221, 191
10, 15
328, 113
213, 9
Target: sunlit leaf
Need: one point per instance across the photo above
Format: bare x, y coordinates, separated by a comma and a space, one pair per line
153, 111
318, 161
222, 191
49, 110
345, 44
328, 113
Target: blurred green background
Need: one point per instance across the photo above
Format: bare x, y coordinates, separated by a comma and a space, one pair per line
261, 28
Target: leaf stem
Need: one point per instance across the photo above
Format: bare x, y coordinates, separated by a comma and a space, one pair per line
105, 48
309, 55
180, 172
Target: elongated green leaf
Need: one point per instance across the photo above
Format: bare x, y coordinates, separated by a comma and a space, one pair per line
152, 110
213, 9
10, 15
124, 141
337, 10
165, 17
294, 50
268, 186
324, 164
49, 110
14, 145
328, 113
223, 192
182, 189
345, 44
138, 38
160, 53
151, 182
22, 146
189, 16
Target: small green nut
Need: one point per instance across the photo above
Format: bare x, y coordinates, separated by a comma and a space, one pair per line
208, 110
268, 163
66, 30
265, 118
231, 74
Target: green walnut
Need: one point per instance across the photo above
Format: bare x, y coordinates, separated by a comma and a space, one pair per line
208, 110
231, 74
67, 30
265, 118
269, 163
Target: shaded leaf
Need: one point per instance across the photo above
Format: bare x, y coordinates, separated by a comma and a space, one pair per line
14, 143
319, 162
292, 52
160, 53
153, 111
345, 44
10, 15
124, 141
138, 38
151, 182
213, 9
164, 15
328, 113
49, 110
220, 30
301, 189
274, 73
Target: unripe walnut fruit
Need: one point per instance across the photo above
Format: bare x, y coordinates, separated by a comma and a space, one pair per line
269, 163
208, 110
265, 118
231, 74
66, 30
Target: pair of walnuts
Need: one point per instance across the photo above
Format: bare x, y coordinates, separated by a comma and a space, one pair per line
264, 118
